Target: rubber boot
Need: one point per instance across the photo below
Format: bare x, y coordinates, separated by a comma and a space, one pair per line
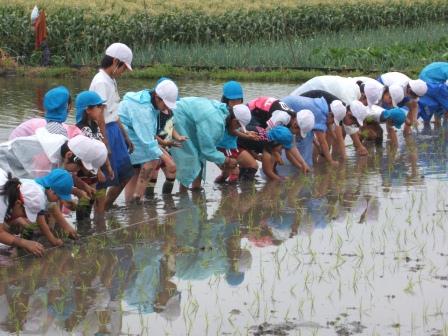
168, 186
149, 191
249, 174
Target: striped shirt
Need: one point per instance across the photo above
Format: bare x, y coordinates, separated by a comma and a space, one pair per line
56, 128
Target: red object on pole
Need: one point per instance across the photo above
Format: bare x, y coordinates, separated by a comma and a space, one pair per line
40, 27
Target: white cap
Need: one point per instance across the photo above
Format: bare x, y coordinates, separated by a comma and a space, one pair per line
373, 91
121, 52
396, 93
93, 153
359, 111
279, 118
418, 86
305, 120
242, 114
168, 92
339, 110
34, 14
33, 198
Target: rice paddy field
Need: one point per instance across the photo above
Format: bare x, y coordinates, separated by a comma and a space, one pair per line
361, 250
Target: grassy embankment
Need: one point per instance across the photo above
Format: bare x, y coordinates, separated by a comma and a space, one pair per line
287, 43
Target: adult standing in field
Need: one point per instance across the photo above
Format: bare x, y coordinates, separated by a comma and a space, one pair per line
39, 22
116, 61
202, 121
435, 101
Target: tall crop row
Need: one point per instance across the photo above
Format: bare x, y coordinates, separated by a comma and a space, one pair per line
74, 31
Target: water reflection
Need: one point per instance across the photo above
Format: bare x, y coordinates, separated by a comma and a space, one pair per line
89, 287
139, 259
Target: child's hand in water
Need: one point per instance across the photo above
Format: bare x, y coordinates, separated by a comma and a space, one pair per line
71, 232
32, 247
56, 242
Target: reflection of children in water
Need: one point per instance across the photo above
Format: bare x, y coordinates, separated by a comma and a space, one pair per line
208, 247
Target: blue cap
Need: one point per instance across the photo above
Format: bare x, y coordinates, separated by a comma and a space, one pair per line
232, 90
397, 115
60, 181
234, 278
56, 104
281, 135
84, 100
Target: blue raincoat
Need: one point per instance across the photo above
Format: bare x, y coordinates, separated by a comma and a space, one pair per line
436, 72
203, 121
435, 101
228, 141
319, 107
139, 117
141, 292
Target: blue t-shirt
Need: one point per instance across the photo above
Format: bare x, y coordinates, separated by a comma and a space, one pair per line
318, 106
436, 72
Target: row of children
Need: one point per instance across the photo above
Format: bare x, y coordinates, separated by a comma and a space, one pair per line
121, 145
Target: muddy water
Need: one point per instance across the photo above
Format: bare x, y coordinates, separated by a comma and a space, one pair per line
361, 250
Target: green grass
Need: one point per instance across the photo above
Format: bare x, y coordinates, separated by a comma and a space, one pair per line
376, 50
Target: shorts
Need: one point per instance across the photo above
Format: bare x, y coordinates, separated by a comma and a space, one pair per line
230, 153
119, 157
161, 164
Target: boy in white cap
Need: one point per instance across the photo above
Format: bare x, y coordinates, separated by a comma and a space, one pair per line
118, 59
139, 113
393, 118
239, 117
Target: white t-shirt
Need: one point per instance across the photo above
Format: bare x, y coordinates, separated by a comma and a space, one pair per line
394, 77
106, 87
345, 89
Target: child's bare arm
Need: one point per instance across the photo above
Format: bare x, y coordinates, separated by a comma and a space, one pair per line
59, 218
43, 226
267, 164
